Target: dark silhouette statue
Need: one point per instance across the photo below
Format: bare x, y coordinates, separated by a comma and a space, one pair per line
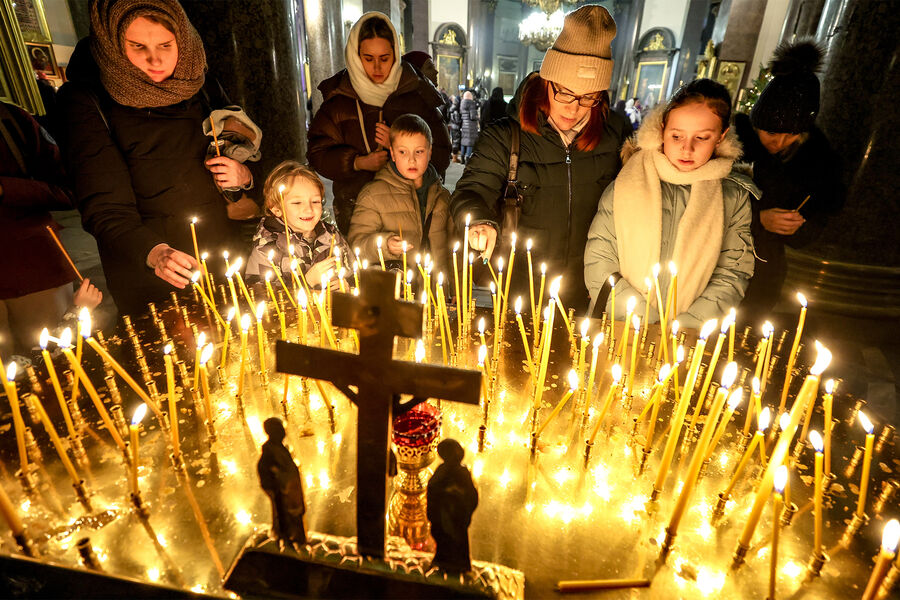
451, 500
280, 479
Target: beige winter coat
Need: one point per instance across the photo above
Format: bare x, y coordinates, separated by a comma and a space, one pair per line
388, 205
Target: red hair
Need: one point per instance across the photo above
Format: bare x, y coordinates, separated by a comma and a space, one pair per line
535, 100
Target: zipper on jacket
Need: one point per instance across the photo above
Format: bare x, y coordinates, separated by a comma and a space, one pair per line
569, 218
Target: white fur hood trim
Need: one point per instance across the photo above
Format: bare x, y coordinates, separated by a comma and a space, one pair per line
650, 136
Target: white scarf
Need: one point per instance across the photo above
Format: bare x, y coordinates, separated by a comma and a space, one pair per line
371, 93
637, 212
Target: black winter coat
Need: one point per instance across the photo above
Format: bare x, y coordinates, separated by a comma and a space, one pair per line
492, 110
812, 169
468, 110
139, 181
560, 190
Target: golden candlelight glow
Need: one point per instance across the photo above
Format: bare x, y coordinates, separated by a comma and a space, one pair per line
765, 417
816, 440
44, 338
865, 422
245, 322
139, 413
708, 328
729, 374
84, 322
829, 386
420, 351
11, 372
207, 353
801, 299
632, 302
781, 476
585, 324
890, 538
554, 287
379, 241
784, 420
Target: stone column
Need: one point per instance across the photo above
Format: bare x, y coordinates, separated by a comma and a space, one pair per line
253, 49
690, 41
389, 7
480, 57
417, 25
324, 43
628, 25
802, 19
742, 33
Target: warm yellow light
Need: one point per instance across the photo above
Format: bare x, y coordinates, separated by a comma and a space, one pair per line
829, 386
735, 398
765, 417
729, 374
781, 476
207, 353
707, 328
84, 322
754, 385
617, 372
632, 302
801, 299
45, 337
866, 423
201, 340
816, 440
823, 359
245, 321
891, 536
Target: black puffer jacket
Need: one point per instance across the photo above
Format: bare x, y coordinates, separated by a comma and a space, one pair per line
560, 187
468, 110
138, 180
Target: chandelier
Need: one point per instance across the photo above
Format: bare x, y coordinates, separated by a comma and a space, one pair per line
541, 29
549, 6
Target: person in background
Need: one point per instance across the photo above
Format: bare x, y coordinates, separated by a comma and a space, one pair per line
568, 154
348, 137
133, 112
454, 124
36, 288
676, 199
423, 63
468, 110
494, 108
795, 168
633, 113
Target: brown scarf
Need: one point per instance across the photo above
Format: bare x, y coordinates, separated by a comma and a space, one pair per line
127, 84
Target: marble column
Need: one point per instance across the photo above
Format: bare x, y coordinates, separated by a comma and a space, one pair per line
389, 7
415, 23
802, 19
691, 45
324, 43
628, 24
480, 57
253, 49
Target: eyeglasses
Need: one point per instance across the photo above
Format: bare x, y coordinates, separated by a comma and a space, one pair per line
587, 101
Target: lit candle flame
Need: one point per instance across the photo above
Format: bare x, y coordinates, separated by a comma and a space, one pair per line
440, 279
500, 263
482, 355
65, 338
708, 328
271, 255
729, 374
632, 302
765, 417
238, 263
612, 281
245, 322
598, 339
656, 269
481, 325
207, 353
823, 359
891, 536
420, 351
45, 337
801, 299
768, 329
735, 398
204, 255
269, 275
514, 237
636, 323
672, 268
675, 326
302, 300
11, 371
195, 276
617, 372
455, 248
379, 242
554, 287
866, 423
468, 219
543, 268
493, 288
781, 476
260, 311
167, 349
84, 322
829, 386
139, 413
528, 244
517, 306
815, 439
573, 380
201, 339
754, 385
784, 420
584, 327
230, 316
679, 354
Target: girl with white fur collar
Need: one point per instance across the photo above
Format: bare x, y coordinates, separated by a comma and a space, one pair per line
677, 199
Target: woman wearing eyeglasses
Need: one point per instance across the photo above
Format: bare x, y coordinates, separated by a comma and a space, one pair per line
568, 154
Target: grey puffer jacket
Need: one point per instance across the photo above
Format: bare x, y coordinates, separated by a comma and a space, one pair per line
735, 265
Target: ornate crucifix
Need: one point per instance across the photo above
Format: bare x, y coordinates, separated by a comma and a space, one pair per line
379, 317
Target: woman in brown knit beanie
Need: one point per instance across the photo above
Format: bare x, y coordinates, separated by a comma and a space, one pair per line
133, 111
568, 154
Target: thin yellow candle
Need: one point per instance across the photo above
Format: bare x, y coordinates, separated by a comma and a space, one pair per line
228, 319
268, 279
762, 424
697, 459
12, 395
573, 387
636, 323
57, 443
482, 364
356, 274
403, 247
456, 290
734, 400
302, 304
173, 400
545, 351
207, 278
531, 307
65, 344
194, 239
277, 272
828, 401
562, 309
589, 390
777, 506
714, 359
867, 463
626, 327
767, 363
204, 380
525, 344
465, 280
672, 294
889, 539
54, 380
229, 276
509, 272
442, 302
789, 372
196, 281
133, 430
495, 301
610, 395
536, 334
245, 327
201, 341
612, 313
648, 283
731, 318
225, 258
17, 528
754, 404
661, 309
379, 241
767, 330
240, 279
779, 452
817, 443
585, 338
261, 335
324, 321
287, 231
656, 399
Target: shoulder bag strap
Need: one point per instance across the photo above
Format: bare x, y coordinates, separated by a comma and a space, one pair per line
362, 127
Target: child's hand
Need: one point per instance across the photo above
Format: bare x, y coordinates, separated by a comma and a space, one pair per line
395, 245
87, 296
383, 135
370, 162
315, 273
781, 221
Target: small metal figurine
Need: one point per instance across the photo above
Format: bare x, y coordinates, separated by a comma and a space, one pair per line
280, 480
451, 500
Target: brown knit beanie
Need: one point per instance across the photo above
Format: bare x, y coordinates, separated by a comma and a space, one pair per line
581, 56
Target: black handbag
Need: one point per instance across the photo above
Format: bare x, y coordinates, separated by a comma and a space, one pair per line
509, 206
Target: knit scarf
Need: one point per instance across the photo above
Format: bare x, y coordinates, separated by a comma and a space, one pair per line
126, 83
637, 212
371, 93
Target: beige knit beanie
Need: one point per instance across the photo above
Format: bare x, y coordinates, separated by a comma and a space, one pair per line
581, 56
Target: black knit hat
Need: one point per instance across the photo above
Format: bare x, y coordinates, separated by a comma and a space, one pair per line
790, 102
